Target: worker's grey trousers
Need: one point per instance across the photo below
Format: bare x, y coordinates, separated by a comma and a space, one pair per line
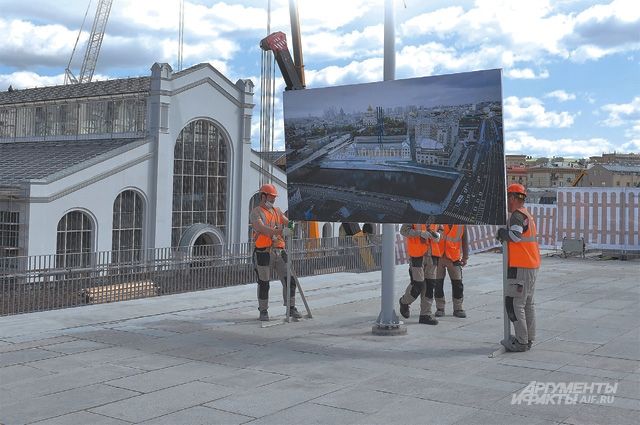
422, 271
264, 261
446, 266
518, 298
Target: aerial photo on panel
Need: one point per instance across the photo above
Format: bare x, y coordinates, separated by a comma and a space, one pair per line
402, 151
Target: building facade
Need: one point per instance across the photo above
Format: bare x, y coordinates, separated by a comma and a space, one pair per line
129, 164
552, 177
611, 175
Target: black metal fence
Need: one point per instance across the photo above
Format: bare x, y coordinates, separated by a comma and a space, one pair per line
38, 283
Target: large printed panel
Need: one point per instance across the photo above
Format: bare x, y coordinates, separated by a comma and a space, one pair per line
404, 151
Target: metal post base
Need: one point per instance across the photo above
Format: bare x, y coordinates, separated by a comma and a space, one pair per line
388, 330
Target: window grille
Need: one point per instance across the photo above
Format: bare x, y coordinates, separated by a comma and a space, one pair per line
200, 178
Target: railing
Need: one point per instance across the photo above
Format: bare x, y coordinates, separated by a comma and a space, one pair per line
606, 219
39, 283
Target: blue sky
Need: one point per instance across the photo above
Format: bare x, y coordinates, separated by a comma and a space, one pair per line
571, 69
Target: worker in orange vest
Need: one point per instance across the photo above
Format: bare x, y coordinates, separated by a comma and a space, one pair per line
421, 240
270, 230
454, 253
523, 264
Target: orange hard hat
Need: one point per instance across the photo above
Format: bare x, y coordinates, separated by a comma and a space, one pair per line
268, 189
518, 189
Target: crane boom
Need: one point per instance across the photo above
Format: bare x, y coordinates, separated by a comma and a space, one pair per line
93, 44
295, 39
277, 42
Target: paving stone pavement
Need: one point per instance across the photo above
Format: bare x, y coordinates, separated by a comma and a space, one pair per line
203, 358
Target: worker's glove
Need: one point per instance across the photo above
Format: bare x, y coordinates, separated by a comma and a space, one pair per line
286, 232
428, 235
502, 235
434, 235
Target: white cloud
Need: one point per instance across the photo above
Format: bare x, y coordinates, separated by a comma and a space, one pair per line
622, 113
441, 22
605, 29
368, 42
633, 132
526, 74
27, 79
535, 29
525, 27
529, 112
436, 58
561, 95
519, 142
354, 72
24, 44
633, 146
331, 14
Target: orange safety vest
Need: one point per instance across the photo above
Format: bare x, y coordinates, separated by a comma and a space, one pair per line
435, 246
417, 246
525, 253
451, 242
270, 219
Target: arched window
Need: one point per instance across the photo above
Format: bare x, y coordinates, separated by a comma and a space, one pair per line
200, 178
327, 230
74, 240
126, 240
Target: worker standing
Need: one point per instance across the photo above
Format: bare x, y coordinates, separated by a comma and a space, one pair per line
420, 239
454, 253
270, 230
523, 262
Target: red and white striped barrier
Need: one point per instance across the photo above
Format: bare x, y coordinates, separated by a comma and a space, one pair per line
545, 216
401, 249
605, 217
482, 238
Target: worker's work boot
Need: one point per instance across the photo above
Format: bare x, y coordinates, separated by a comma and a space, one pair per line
427, 320
460, 313
514, 346
529, 345
263, 305
404, 309
294, 313
439, 313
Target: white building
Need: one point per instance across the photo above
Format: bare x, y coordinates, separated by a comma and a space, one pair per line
128, 164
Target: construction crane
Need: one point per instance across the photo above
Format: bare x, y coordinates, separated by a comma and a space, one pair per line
292, 70
93, 44
277, 43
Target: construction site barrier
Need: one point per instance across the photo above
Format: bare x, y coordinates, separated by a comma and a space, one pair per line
604, 218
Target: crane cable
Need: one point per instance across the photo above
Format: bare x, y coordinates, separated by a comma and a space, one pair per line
267, 102
180, 35
68, 70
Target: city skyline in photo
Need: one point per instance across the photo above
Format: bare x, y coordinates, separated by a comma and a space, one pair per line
398, 164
